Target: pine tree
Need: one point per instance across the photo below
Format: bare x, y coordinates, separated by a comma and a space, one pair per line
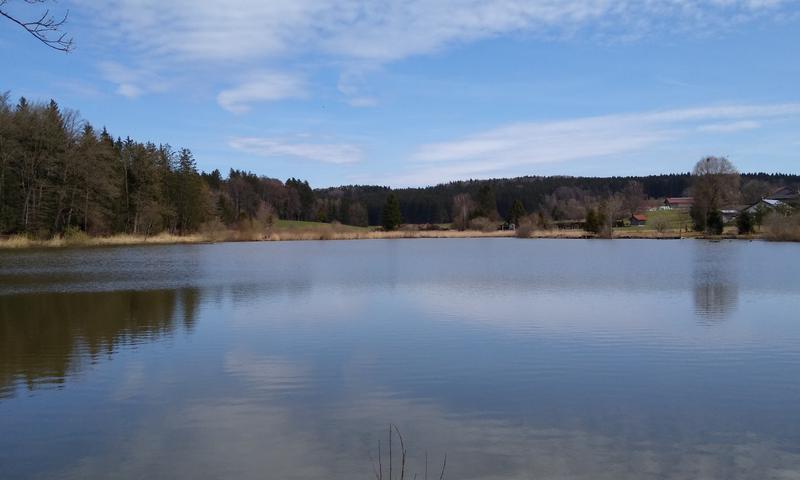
391, 213
517, 212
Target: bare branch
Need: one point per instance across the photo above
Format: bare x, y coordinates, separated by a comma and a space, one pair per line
403, 454
390, 452
45, 28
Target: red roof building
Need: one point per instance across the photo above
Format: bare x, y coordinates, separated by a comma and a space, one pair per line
637, 219
679, 202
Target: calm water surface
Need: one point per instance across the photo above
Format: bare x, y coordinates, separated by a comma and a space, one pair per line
518, 359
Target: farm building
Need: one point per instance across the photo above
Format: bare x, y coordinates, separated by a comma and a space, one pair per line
785, 194
678, 203
766, 204
638, 220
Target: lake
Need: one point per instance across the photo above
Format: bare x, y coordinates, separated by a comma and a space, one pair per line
534, 359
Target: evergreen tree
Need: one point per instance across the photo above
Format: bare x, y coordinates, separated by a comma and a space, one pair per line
392, 217
595, 221
714, 223
517, 212
487, 203
744, 223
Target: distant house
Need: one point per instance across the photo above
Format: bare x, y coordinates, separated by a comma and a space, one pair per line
638, 220
785, 195
729, 214
765, 204
683, 203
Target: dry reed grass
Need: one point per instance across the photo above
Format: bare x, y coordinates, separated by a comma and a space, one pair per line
332, 232
780, 228
21, 241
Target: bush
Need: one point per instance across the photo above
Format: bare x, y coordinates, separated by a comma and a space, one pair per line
483, 224
75, 236
595, 221
744, 223
714, 223
660, 224
214, 230
699, 219
782, 228
525, 228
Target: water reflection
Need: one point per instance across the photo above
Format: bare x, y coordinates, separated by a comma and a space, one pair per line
716, 282
46, 337
519, 359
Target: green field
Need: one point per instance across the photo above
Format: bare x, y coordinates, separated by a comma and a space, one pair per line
676, 220
296, 225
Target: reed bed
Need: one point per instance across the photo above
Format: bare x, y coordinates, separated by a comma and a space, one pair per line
329, 232
21, 241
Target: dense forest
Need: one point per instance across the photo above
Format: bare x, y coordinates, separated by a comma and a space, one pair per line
59, 173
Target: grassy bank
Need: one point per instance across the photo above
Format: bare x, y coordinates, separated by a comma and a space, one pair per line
285, 230
20, 241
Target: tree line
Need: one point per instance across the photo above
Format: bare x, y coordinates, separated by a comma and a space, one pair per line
59, 174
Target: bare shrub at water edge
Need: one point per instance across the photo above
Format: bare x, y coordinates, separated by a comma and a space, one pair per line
215, 230
660, 224
525, 228
482, 224
327, 233
74, 236
782, 228
17, 241
378, 466
251, 230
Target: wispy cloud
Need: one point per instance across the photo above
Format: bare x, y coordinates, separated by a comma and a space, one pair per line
333, 153
387, 29
352, 84
729, 127
511, 149
132, 82
245, 32
261, 87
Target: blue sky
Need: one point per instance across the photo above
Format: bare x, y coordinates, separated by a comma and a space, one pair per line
408, 93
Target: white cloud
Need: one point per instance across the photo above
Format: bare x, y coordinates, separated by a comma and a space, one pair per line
511, 149
262, 87
132, 82
352, 84
387, 29
244, 32
334, 153
729, 127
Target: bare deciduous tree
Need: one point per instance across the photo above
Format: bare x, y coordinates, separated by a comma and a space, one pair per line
715, 183
632, 197
463, 207
44, 27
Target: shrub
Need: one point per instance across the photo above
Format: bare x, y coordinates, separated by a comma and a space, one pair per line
660, 224
782, 228
525, 228
595, 221
75, 236
483, 224
714, 223
214, 230
744, 223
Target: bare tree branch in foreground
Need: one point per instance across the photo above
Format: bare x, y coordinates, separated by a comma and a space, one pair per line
378, 464
46, 28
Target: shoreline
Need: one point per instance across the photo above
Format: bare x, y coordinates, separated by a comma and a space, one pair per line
24, 243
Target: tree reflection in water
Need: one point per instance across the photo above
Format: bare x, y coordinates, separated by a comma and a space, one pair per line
716, 285
46, 337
